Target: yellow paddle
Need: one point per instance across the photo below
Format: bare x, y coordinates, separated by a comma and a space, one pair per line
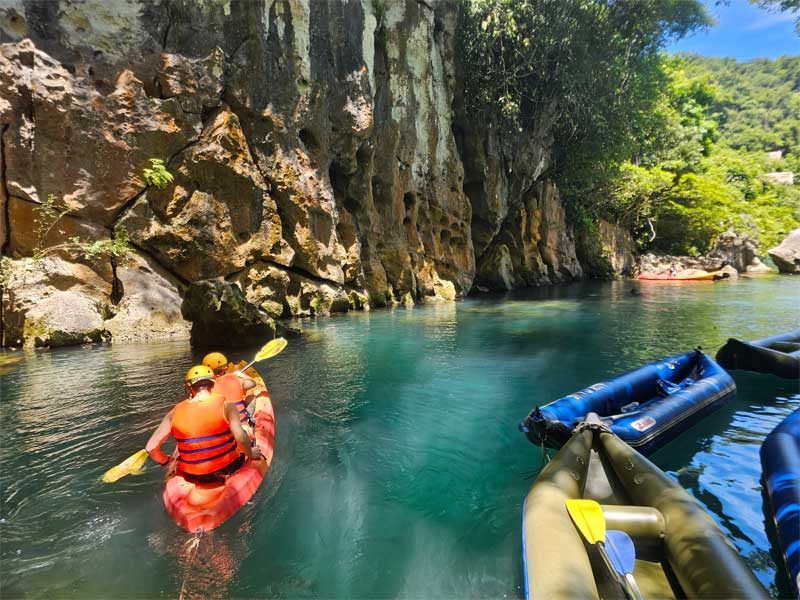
268, 350
135, 463
591, 522
132, 464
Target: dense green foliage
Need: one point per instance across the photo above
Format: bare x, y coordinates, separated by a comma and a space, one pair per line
675, 149
757, 101
702, 169
588, 69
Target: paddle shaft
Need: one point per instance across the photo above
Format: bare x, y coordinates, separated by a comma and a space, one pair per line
601, 548
633, 587
247, 366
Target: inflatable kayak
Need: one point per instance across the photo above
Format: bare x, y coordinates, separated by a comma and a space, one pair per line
778, 355
780, 461
680, 551
204, 506
646, 407
687, 275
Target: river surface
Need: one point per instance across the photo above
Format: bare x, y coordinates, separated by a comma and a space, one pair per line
398, 471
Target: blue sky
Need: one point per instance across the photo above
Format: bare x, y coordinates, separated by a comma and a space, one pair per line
744, 31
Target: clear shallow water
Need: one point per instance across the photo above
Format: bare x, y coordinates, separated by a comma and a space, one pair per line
399, 471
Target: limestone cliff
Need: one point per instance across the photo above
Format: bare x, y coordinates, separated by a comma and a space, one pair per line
320, 159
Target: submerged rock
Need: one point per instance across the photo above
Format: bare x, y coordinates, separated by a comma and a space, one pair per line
787, 255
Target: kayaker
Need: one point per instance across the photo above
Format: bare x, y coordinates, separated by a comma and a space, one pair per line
218, 362
211, 442
232, 384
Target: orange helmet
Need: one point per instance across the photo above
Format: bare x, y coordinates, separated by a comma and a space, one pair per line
198, 373
215, 360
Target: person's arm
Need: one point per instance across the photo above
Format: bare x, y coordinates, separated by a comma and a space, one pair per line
248, 383
160, 435
242, 439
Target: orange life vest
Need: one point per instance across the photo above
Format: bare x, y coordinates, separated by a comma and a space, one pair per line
205, 441
231, 387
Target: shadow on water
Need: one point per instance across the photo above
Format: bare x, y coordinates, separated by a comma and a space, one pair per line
399, 470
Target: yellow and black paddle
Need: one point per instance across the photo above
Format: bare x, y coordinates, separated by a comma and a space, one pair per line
135, 463
591, 522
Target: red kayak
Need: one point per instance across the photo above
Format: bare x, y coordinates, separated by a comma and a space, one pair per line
204, 506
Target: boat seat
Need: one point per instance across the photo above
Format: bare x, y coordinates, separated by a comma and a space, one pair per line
645, 525
664, 388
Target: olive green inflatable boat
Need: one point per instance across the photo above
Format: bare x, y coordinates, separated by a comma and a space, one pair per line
680, 551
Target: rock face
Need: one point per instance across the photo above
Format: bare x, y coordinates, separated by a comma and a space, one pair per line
321, 161
661, 263
52, 302
221, 316
618, 247
740, 252
787, 255
532, 247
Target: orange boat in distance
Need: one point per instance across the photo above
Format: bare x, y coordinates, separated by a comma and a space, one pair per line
685, 275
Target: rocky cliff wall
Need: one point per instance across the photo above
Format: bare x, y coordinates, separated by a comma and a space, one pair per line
320, 160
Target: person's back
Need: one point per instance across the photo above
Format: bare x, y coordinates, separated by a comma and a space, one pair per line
211, 442
203, 434
230, 386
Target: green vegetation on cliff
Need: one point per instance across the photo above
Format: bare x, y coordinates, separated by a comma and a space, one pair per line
707, 170
590, 70
673, 148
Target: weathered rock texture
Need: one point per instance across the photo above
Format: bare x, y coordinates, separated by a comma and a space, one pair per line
56, 302
221, 315
320, 158
533, 246
618, 247
787, 255
740, 252
733, 253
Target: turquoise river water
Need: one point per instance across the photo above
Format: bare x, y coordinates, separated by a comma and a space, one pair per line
399, 470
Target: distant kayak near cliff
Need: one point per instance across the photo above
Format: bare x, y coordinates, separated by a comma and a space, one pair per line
685, 275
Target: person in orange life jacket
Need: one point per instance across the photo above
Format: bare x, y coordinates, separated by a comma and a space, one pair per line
211, 442
233, 384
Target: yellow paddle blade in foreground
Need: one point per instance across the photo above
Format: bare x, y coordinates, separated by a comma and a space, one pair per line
132, 464
588, 518
270, 349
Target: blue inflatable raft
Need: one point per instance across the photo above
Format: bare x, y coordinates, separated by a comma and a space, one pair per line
780, 461
646, 408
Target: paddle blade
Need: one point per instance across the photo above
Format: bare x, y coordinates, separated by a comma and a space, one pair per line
132, 464
588, 518
621, 551
270, 349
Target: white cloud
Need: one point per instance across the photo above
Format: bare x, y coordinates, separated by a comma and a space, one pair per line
770, 20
